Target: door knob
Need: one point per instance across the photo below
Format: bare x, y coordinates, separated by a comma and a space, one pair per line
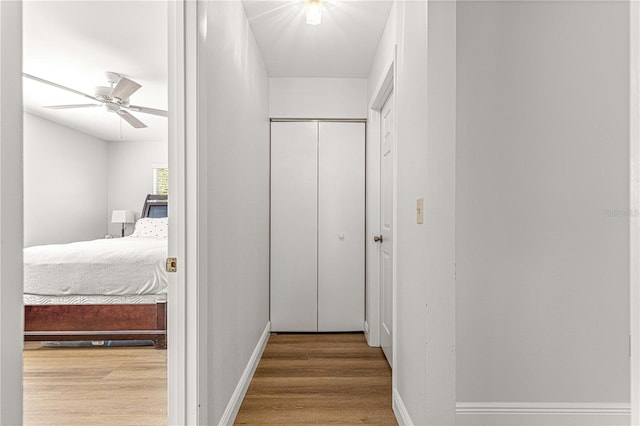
377, 238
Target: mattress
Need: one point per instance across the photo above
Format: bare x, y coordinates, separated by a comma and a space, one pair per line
146, 299
126, 266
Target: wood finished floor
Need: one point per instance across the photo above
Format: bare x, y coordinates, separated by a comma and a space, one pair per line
319, 379
301, 379
94, 386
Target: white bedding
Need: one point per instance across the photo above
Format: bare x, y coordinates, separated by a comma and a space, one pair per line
114, 266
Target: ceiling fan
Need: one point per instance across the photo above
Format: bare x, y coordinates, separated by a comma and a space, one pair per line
114, 98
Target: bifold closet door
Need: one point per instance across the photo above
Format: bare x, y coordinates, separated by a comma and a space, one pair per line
341, 226
294, 243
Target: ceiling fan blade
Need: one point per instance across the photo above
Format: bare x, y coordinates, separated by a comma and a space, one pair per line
131, 119
148, 110
72, 106
59, 86
124, 89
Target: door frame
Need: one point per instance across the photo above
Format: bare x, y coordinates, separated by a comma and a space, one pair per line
634, 211
186, 333
11, 213
386, 85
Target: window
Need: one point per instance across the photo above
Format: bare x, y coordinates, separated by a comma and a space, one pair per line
160, 179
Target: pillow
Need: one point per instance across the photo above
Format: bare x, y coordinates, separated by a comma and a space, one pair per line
151, 227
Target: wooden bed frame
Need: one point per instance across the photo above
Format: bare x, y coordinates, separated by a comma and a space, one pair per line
96, 322
100, 322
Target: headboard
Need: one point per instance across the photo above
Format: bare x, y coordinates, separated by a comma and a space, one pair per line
155, 206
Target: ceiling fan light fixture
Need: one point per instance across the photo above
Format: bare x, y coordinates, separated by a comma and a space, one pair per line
111, 107
313, 9
113, 99
102, 92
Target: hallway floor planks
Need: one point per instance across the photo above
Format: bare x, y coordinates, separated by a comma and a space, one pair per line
319, 379
301, 379
94, 386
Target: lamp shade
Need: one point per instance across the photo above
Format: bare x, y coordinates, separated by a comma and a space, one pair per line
122, 216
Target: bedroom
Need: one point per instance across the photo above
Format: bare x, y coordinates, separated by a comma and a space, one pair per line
82, 166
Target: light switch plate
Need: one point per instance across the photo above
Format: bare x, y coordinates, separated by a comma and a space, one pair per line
420, 210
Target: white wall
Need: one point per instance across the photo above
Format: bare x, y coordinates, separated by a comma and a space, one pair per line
65, 184
11, 315
234, 114
318, 97
542, 168
440, 212
424, 358
130, 176
384, 52
93, 177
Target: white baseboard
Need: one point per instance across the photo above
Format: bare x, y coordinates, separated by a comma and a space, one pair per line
399, 409
542, 414
231, 411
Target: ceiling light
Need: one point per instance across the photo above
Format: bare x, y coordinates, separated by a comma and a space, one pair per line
314, 11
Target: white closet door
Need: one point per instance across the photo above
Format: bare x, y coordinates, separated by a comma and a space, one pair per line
294, 171
341, 232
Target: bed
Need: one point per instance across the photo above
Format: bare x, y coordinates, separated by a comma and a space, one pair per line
112, 289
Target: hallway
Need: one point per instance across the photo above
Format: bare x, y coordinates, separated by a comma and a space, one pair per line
319, 379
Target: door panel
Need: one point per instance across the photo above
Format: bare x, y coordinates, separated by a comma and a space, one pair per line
386, 204
294, 245
341, 230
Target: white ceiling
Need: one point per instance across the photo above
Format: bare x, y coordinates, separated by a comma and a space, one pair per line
342, 46
73, 43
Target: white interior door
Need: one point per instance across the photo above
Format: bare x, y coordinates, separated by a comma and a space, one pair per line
294, 219
341, 230
386, 219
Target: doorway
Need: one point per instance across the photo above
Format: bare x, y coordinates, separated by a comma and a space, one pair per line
381, 197
178, 380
